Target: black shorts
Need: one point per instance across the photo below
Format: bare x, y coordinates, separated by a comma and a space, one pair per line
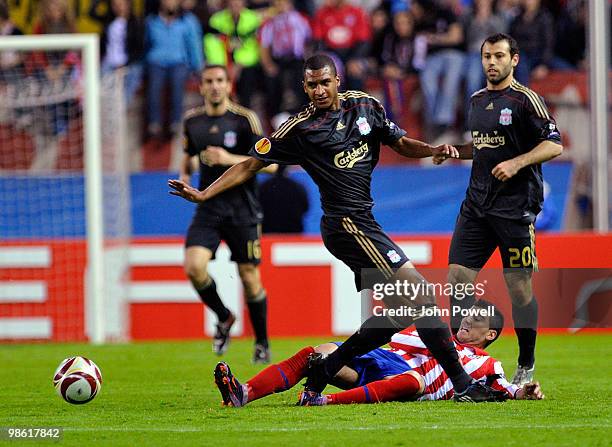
476, 238
360, 243
243, 240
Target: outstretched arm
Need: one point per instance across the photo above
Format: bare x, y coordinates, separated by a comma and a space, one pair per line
418, 149
464, 151
234, 176
218, 156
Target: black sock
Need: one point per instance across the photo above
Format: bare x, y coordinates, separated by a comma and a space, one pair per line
258, 311
526, 325
210, 297
373, 333
455, 317
435, 335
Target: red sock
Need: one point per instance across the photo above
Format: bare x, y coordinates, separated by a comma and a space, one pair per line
402, 386
280, 376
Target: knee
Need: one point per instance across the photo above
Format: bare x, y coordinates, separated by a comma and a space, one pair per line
519, 289
459, 275
454, 276
419, 379
196, 271
419, 291
326, 348
520, 297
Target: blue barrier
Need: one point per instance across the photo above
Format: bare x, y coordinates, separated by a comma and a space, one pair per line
408, 200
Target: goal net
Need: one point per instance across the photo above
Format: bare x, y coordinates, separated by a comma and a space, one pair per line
64, 191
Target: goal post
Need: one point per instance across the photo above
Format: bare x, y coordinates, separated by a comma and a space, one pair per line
104, 170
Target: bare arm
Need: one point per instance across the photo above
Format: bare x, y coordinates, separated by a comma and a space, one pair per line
234, 176
218, 156
464, 151
544, 151
410, 148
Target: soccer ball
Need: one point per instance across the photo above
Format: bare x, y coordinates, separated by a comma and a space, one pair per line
77, 380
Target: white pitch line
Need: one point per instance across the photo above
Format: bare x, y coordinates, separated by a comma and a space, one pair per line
302, 429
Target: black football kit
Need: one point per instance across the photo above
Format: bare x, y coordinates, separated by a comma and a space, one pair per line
504, 124
234, 215
339, 149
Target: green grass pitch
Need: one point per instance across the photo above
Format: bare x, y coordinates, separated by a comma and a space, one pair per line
163, 394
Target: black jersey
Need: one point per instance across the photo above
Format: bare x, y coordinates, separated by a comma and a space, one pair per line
236, 131
339, 149
504, 124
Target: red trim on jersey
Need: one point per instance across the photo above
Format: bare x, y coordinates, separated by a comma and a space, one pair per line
477, 363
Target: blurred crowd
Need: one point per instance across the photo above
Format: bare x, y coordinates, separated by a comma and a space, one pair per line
263, 43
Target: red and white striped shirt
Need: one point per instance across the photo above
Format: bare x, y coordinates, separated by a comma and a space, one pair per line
286, 35
477, 363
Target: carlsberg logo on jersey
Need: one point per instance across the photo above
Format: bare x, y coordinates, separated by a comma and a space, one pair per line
482, 141
347, 159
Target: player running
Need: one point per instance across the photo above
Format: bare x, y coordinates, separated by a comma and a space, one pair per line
336, 139
405, 371
219, 135
512, 135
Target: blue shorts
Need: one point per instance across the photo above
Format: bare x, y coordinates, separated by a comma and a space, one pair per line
376, 365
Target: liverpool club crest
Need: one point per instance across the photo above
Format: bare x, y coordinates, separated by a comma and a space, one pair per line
394, 256
505, 117
363, 125
230, 138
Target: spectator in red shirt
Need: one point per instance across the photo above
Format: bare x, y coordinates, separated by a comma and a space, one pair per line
344, 29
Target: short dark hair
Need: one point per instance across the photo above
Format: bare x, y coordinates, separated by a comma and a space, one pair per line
319, 61
212, 66
494, 38
496, 320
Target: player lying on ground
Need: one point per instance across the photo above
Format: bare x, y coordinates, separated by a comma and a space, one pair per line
405, 371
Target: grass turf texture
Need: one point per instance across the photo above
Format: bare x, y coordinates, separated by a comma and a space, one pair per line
163, 394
